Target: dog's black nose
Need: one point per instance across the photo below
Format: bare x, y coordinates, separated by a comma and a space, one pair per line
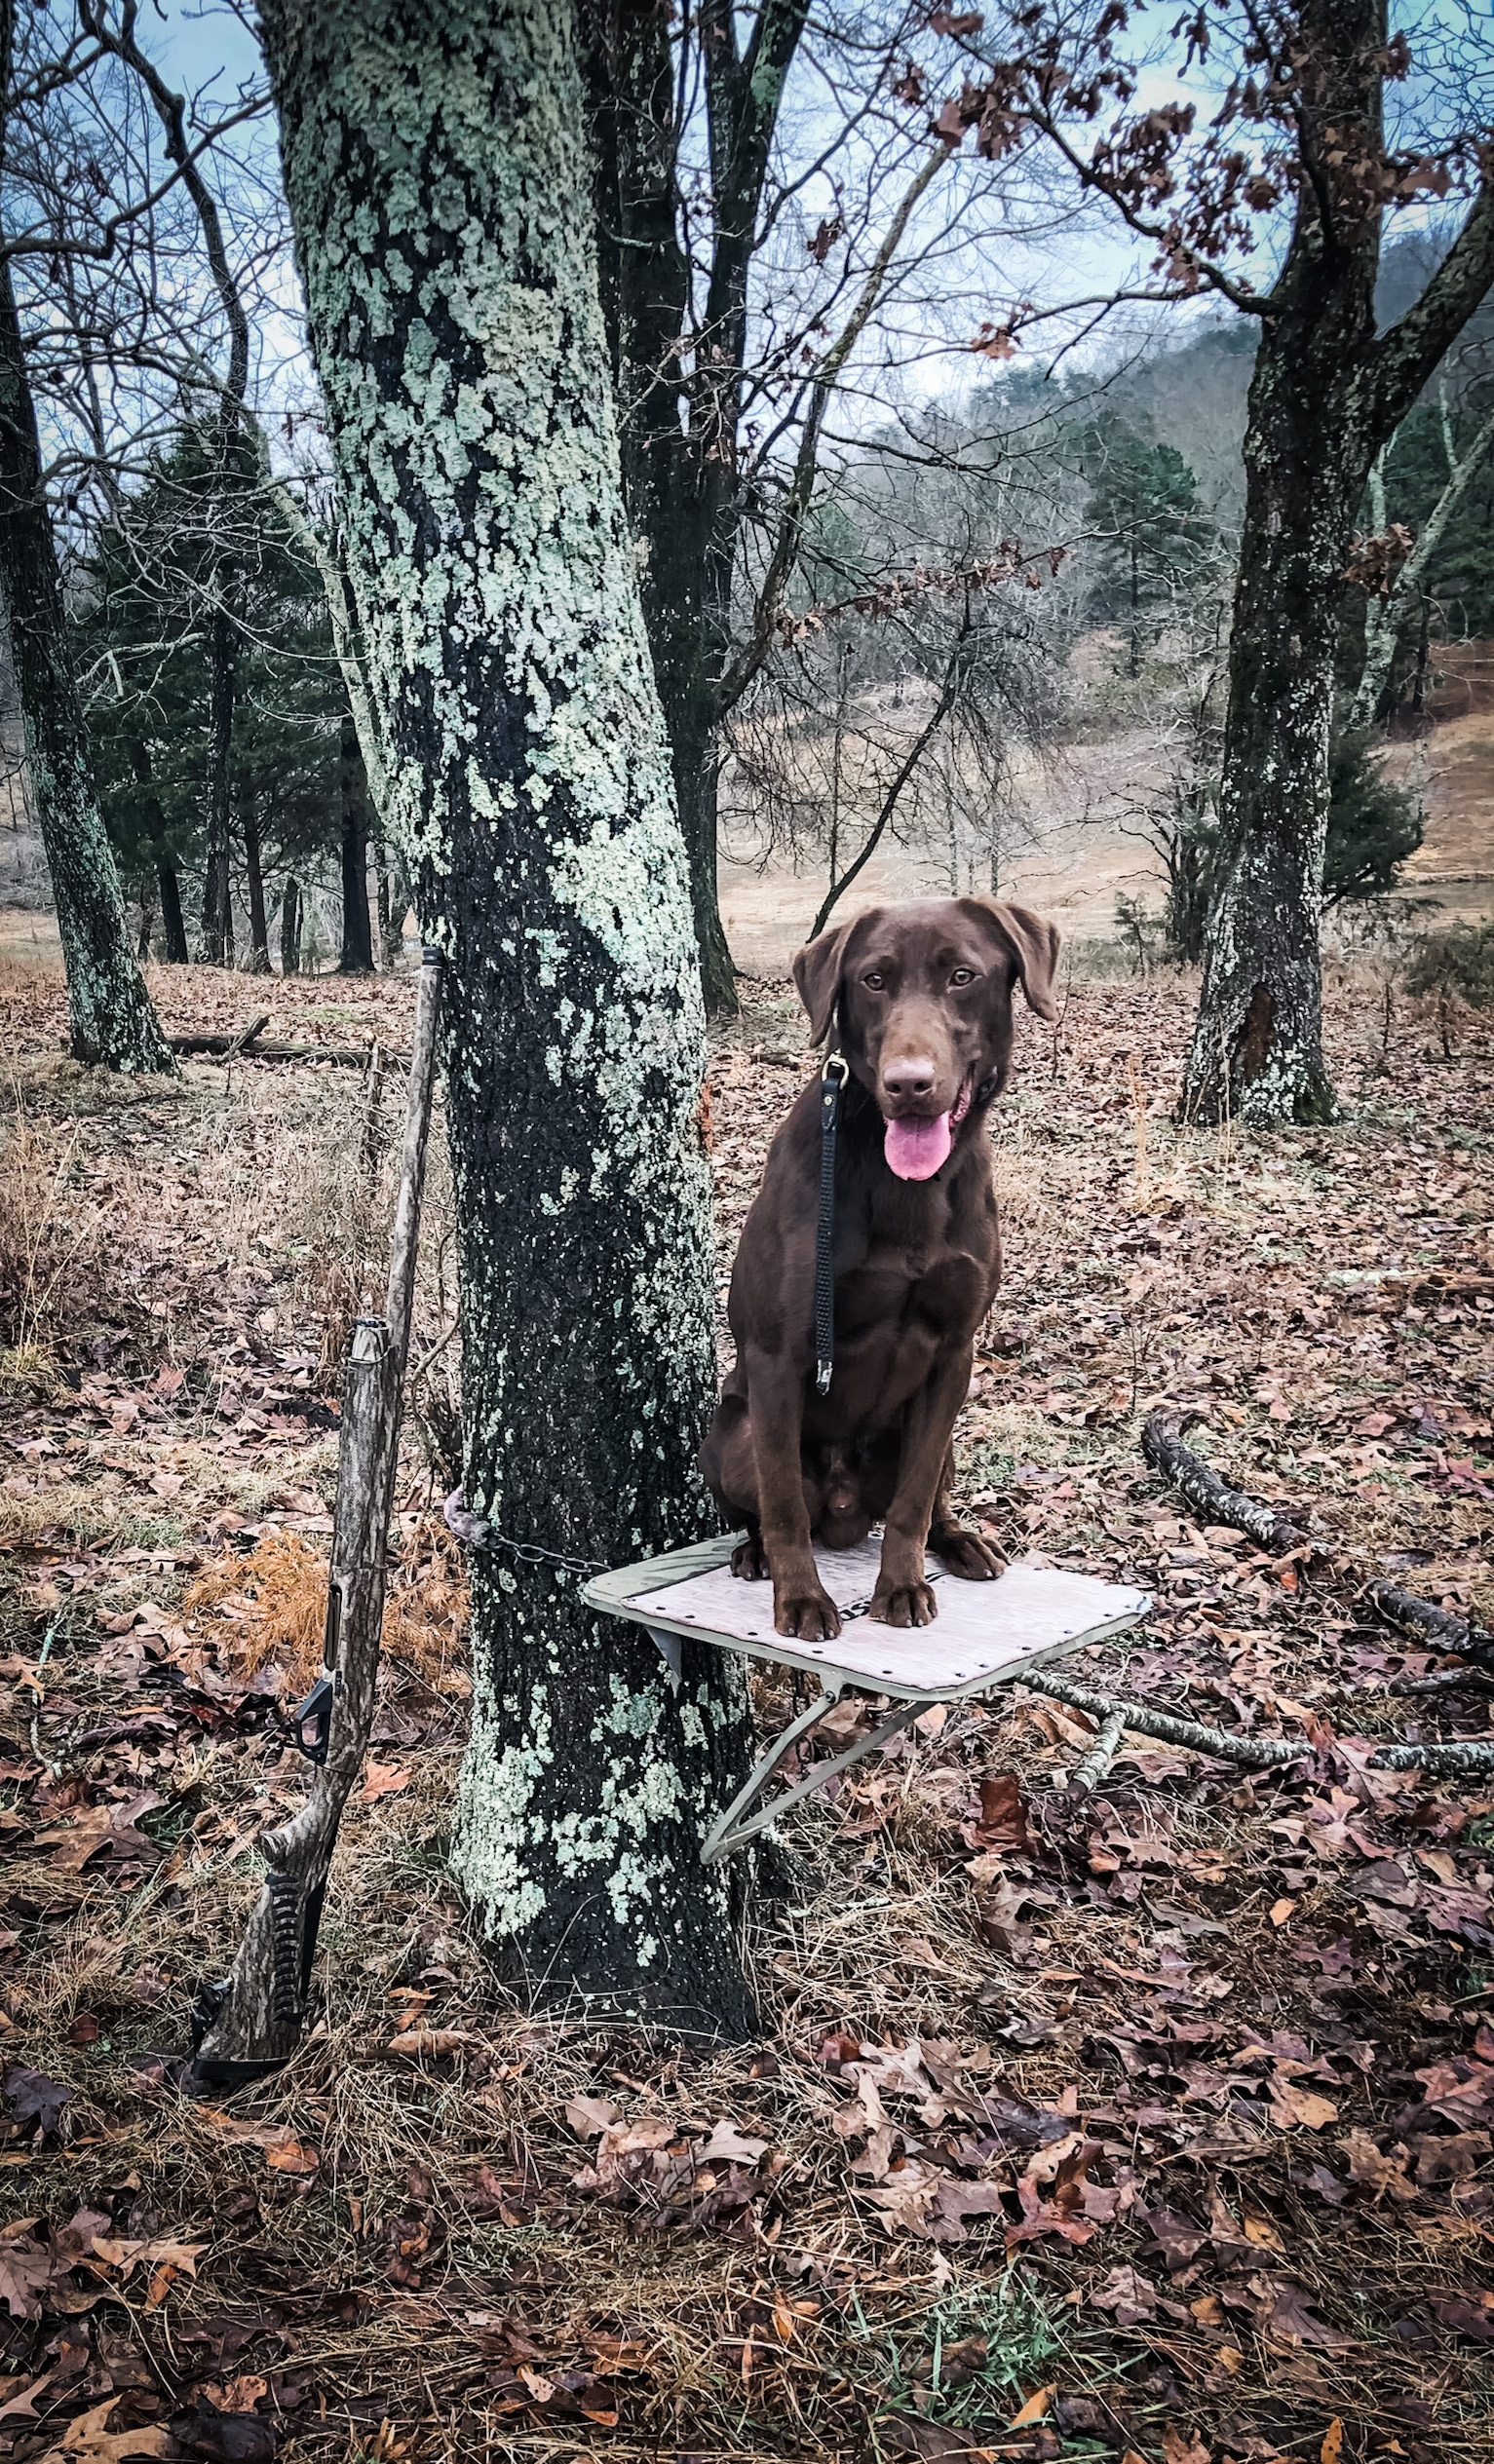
908, 1076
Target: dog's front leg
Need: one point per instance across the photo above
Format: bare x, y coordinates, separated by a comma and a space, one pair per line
903, 1597
801, 1605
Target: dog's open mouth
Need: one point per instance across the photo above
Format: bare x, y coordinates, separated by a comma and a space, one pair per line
916, 1148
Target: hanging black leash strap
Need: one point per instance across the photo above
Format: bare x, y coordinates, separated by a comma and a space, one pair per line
832, 1082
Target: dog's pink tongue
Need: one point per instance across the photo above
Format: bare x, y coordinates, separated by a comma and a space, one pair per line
915, 1148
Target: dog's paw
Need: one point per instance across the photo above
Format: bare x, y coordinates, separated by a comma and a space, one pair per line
967, 1554
903, 1603
808, 1616
750, 1559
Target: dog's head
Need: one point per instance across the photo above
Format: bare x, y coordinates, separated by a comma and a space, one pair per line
923, 999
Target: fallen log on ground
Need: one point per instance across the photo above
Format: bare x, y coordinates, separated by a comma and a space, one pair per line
247, 1035
1442, 1628
1444, 1681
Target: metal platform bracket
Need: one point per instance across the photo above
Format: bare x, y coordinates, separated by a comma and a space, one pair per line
984, 1635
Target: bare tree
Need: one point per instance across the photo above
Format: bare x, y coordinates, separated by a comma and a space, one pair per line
776, 240
112, 1018
1394, 573
1300, 148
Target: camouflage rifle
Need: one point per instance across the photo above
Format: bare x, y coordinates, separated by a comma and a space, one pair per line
251, 2021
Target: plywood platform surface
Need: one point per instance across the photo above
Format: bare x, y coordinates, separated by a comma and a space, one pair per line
983, 1631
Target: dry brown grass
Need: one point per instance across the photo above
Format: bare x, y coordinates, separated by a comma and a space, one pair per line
50, 1239
274, 1598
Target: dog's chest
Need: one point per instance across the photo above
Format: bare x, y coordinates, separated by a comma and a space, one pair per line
901, 1269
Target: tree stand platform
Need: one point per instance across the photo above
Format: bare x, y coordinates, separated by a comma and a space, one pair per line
986, 1634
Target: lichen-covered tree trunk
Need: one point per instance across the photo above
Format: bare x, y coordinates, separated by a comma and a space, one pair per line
1326, 393
436, 169
111, 1018
1258, 1044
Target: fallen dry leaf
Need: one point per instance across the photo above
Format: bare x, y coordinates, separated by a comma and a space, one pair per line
726, 2145
1290, 2104
1181, 2447
382, 1779
1127, 2294
1369, 2170
240, 2395
23, 2406
589, 2116
1035, 2407
1332, 2447
289, 2155
1284, 2313
164, 2261
429, 2040
26, 2268
86, 2441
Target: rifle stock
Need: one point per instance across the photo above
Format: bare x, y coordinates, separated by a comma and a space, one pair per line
251, 2021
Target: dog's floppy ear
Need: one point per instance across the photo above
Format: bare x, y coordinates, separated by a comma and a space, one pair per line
817, 971
1032, 942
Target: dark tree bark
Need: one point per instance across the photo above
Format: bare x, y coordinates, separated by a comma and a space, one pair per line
680, 481
436, 172
110, 1014
217, 885
291, 927
394, 903
173, 925
235, 459
356, 957
1325, 396
260, 932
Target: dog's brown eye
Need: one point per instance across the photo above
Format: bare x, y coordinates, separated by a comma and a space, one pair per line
963, 975
872, 983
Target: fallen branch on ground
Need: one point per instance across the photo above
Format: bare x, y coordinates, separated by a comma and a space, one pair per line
1210, 1497
1458, 1755
247, 1034
1204, 1490
1441, 1628
1442, 1681
247, 1048
1103, 1753
1257, 1753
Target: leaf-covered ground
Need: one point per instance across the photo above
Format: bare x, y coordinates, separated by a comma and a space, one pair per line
1154, 2123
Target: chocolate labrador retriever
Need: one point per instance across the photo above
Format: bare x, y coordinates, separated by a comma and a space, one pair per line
920, 1002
